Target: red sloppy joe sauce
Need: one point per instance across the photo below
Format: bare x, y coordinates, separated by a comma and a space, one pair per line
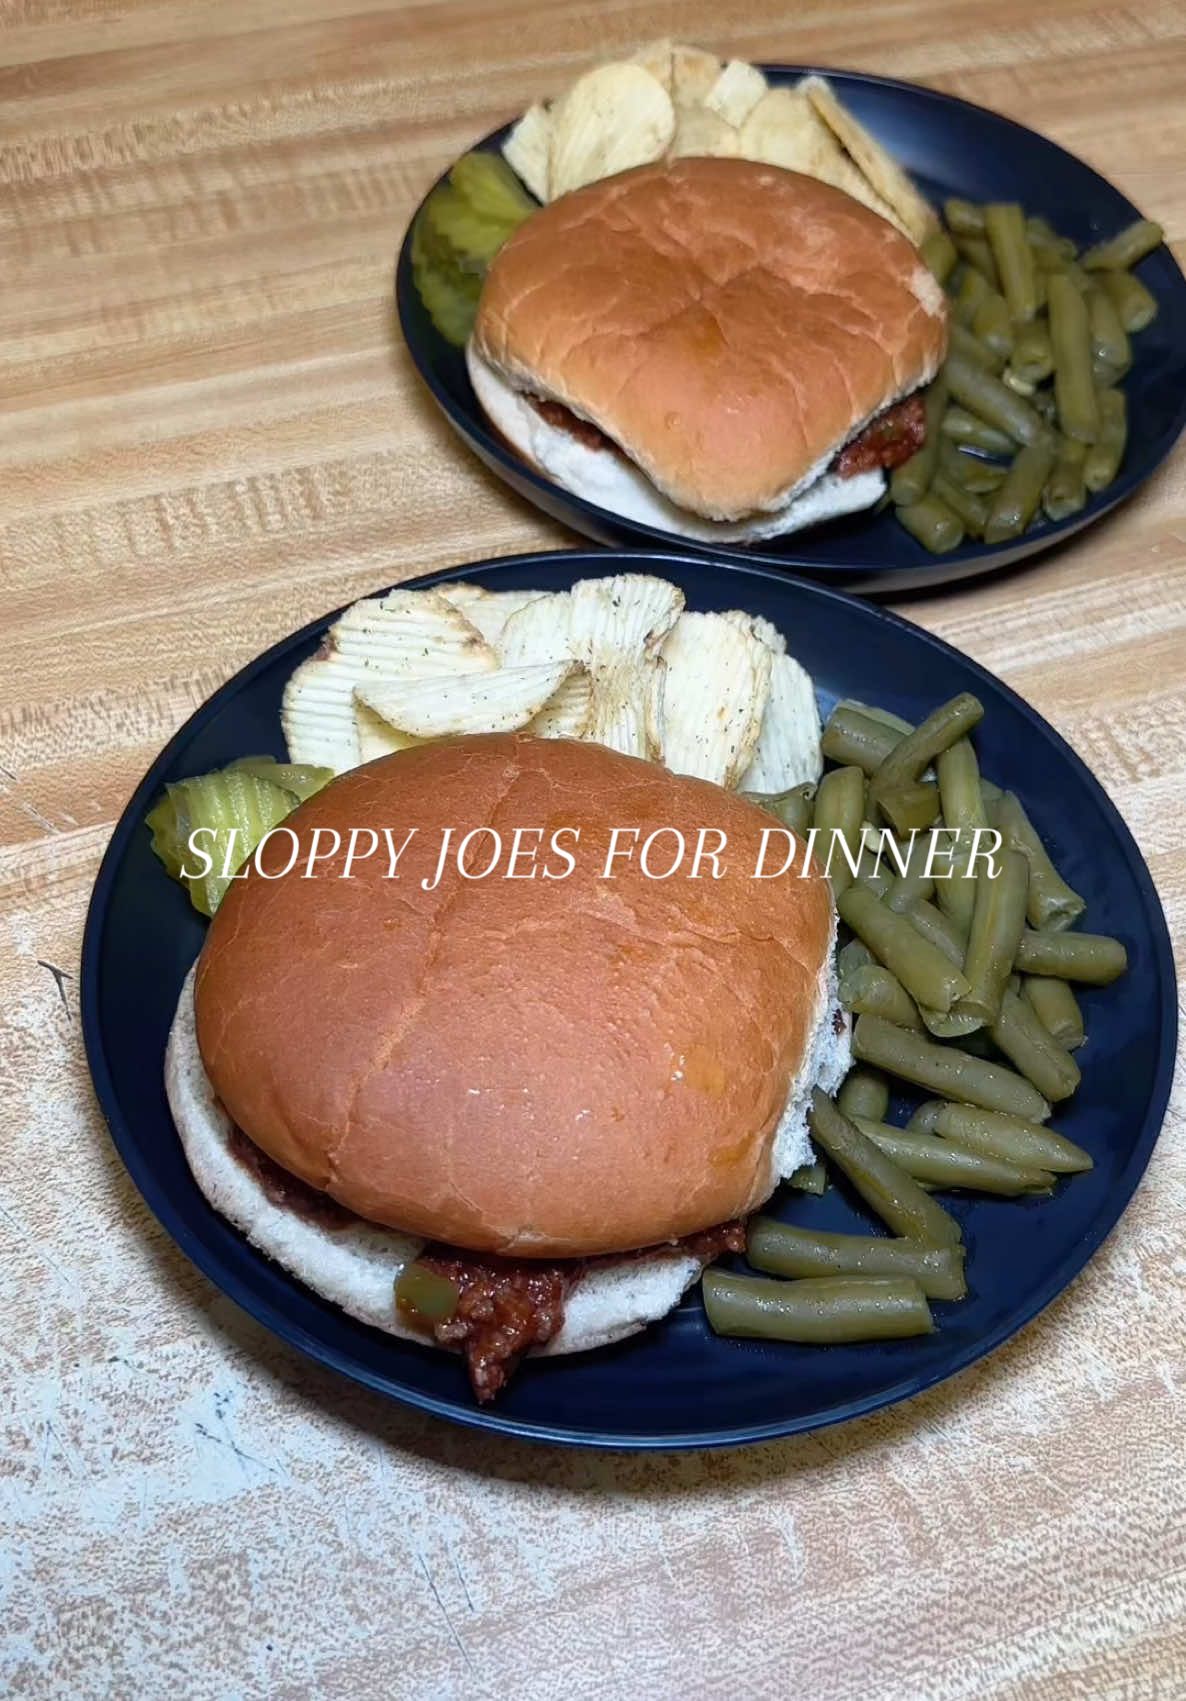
886, 441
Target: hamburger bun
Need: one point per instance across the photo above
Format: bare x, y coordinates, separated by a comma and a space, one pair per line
728, 325
536, 1067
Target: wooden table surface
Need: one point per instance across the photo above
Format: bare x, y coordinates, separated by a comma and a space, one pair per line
210, 434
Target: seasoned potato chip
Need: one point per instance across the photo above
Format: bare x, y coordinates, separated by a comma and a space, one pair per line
528, 148
788, 752
612, 118
693, 72
736, 92
539, 631
718, 680
761, 628
617, 630
566, 712
403, 634
487, 611
785, 129
655, 57
889, 182
468, 702
699, 131
376, 738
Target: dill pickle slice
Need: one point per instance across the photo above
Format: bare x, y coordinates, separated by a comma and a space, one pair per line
451, 307
302, 779
161, 822
490, 186
469, 237
232, 802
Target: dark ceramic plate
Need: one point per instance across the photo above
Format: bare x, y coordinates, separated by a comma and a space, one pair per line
951, 148
677, 1385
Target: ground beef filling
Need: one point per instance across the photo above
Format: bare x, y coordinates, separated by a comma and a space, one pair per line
885, 442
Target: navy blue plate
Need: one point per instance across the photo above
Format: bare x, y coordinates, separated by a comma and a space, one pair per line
676, 1386
951, 148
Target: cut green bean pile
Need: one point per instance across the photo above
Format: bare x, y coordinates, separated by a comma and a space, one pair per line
1025, 420
958, 966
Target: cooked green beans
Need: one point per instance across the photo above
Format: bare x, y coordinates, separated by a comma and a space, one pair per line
969, 470
998, 918
971, 346
963, 814
1103, 458
1016, 502
939, 252
809, 1178
865, 1093
914, 752
993, 327
925, 972
839, 811
1066, 490
912, 884
902, 1206
821, 1312
971, 510
926, 1118
951, 1073
794, 808
975, 250
1010, 1138
994, 402
1090, 958
910, 482
1074, 382
941, 930
1004, 225
1032, 357
963, 217
910, 807
973, 287
1111, 352
852, 737
786, 1250
1126, 248
851, 957
944, 1163
963, 426
1057, 1008
1019, 1034
874, 991
932, 523
1136, 305
1051, 902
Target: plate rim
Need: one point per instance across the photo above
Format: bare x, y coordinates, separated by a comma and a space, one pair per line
242, 1293
970, 560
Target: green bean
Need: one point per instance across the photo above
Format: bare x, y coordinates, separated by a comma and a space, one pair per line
884, 717
1016, 502
839, 812
942, 931
787, 1250
963, 814
925, 972
1043, 238
1136, 305
809, 1178
1066, 492
914, 752
874, 991
975, 250
969, 470
1126, 248
1111, 351
964, 218
1103, 459
971, 292
1030, 1048
913, 884
1070, 338
944, 1163
964, 427
1057, 1008
1033, 357
993, 327
994, 402
1004, 225
972, 348
970, 509
925, 1119
853, 737
932, 524
911, 481
1091, 959
865, 1093
885, 1188
910, 807
424, 1294
944, 1070
853, 956
1052, 903
826, 1311
1011, 1138
998, 918
794, 808
939, 253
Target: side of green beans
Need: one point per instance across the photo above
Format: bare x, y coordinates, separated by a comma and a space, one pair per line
914, 753
926, 1118
839, 811
1126, 248
971, 471
818, 1312
998, 917
939, 929
874, 991
971, 510
963, 217
1032, 357
794, 808
925, 972
1032, 1050
990, 400
809, 1178
910, 807
977, 253
940, 255
945, 1163
853, 738
902, 1206
1051, 902
963, 814
784, 1249
1103, 458
972, 347
1090, 958
992, 327
1074, 382
1057, 1008
1016, 502
932, 523
946, 1071
851, 957
865, 1093
1004, 226
973, 287
962, 425
1009, 1137
1066, 489
1111, 352
910, 482
913, 884
1135, 305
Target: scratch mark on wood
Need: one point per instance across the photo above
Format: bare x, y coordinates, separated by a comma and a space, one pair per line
444, 1611
464, 1585
60, 978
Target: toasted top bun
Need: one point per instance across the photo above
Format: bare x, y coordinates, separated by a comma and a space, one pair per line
730, 325
541, 1066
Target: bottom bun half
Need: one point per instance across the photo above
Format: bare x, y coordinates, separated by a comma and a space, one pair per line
355, 1264
609, 480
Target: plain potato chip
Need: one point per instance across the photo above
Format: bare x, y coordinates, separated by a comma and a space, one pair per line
699, 131
655, 57
913, 214
617, 630
788, 750
468, 702
736, 92
693, 72
785, 129
717, 683
528, 148
612, 118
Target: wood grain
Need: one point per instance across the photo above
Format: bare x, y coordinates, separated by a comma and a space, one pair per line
209, 434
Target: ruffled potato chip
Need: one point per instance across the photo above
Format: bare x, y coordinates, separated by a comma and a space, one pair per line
788, 750
468, 702
910, 212
736, 92
718, 681
699, 131
528, 148
612, 118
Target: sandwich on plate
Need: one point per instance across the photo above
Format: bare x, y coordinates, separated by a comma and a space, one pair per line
716, 347
499, 1115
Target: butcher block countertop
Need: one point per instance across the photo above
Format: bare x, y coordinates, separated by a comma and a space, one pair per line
209, 434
